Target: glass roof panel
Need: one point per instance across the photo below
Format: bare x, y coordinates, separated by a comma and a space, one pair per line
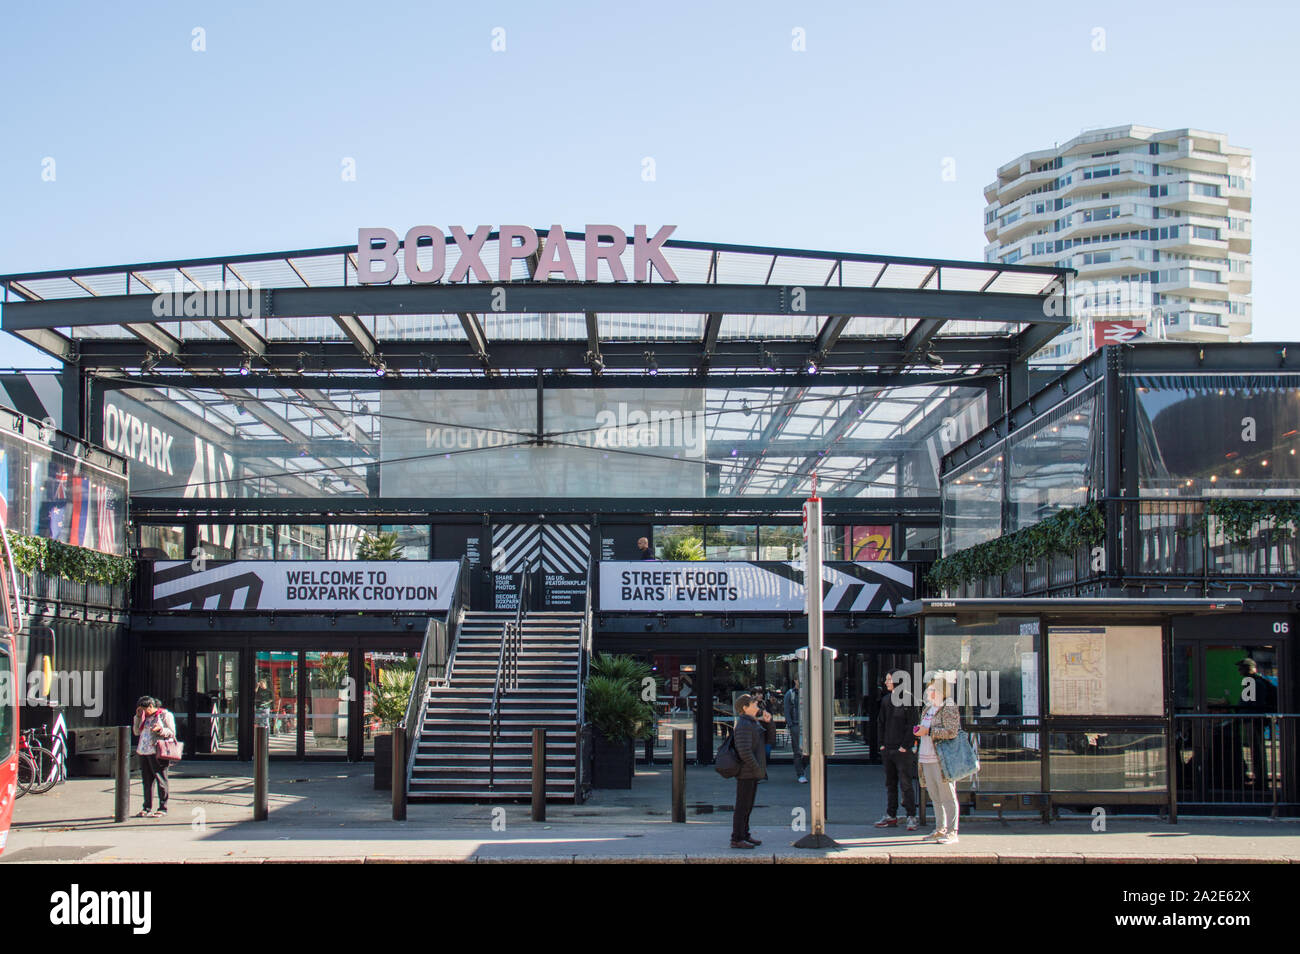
791, 270
769, 326
636, 327
861, 274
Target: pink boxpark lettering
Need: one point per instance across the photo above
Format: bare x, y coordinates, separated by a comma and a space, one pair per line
378, 263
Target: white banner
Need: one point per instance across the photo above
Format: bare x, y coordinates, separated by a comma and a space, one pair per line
654, 587
308, 585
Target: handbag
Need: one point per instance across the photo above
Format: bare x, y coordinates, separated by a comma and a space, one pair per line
727, 759
957, 757
168, 749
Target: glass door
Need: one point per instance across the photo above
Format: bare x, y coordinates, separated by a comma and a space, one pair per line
217, 703
275, 701
167, 677
326, 729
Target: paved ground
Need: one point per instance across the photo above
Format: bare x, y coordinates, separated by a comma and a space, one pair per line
330, 812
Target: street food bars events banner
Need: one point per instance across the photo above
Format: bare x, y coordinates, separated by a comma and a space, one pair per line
750, 587
310, 586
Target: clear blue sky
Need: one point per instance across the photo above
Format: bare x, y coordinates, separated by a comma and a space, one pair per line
162, 152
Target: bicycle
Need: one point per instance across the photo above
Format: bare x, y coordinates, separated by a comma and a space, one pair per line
38, 770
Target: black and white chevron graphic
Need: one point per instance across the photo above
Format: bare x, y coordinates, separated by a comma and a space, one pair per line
854, 587
566, 547
179, 587
516, 547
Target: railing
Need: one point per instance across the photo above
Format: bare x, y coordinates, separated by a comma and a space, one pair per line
507, 672
1175, 538
1237, 760
38, 587
440, 640
584, 665
445, 654
1164, 542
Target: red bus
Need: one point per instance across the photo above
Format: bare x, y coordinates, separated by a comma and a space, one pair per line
10, 624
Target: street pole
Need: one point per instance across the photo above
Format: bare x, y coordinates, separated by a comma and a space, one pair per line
812, 581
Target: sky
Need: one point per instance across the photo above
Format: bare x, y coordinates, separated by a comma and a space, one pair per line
525, 113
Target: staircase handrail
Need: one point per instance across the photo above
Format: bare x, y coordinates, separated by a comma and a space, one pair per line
459, 601
584, 662
509, 631
436, 634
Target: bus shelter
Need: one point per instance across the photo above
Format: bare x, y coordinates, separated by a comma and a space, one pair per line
1069, 701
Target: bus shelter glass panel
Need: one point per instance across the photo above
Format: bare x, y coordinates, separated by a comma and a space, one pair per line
217, 703
1109, 761
327, 680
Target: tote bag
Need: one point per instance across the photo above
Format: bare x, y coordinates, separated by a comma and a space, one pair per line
957, 757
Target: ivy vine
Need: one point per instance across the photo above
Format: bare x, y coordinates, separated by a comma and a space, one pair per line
76, 564
1062, 533
1239, 518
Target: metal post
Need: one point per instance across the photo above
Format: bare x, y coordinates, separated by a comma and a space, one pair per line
261, 769
399, 773
122, 770
539, 775
816, 837
679, 775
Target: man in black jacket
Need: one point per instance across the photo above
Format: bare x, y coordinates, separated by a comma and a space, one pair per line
896, 719
751, 746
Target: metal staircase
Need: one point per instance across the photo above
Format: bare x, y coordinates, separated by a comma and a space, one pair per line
475, 740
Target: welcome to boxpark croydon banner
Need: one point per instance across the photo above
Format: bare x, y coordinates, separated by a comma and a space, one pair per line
750, 587
307, 585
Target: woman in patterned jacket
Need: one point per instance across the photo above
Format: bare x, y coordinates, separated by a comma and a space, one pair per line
940, 721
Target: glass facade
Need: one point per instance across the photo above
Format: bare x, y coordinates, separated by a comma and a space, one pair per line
55, 487
1211, 435
972, 504
1056, 462
599, 442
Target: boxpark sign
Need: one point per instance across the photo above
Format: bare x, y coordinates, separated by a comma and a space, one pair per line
753, 587
378, 261
305, 586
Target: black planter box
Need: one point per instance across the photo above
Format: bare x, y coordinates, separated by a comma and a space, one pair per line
384, 762
613, 763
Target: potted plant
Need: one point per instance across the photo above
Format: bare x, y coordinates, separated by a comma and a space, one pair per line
389, 699
379, 546
619, 715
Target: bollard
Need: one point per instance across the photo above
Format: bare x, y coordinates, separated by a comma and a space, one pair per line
122, 773
261, 769
539, 775
679, 775
399, 774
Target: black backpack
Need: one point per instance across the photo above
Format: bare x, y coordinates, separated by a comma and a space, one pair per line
727, 761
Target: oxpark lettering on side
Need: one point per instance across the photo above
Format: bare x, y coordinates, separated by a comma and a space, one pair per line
378, 263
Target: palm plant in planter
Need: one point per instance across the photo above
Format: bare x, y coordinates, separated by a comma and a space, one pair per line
389, 699
379, 546
619, 716
326, 700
